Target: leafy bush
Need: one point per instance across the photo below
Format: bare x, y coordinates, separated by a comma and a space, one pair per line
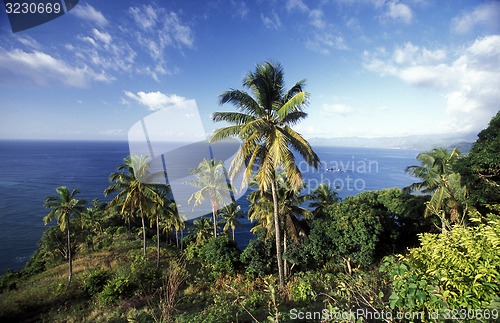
352, 231
144, 274
116, 288
8, 280
302, 290
36, 264
452, 270
220, 256
258, 257
95, 281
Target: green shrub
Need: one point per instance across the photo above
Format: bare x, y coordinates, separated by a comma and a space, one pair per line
144, 274
302, 291
115, 289
258, 258
36, 264
219, 256
8, 280
95, 281
457, 269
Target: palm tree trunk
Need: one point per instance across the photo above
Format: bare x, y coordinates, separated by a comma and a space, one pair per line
157, 242
143, 235
182, 239
214, 214
285, 263
70, 260
277, 235
233, 233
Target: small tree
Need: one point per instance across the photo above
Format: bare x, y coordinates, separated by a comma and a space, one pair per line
231, 213
64, 206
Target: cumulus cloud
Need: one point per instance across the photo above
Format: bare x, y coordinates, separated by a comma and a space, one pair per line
89, 13
39, 68
486, 15
470, 82
155, 101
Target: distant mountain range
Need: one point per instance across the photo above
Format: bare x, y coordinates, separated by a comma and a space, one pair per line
464, 141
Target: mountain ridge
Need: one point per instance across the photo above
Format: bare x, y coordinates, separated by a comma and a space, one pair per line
418, 142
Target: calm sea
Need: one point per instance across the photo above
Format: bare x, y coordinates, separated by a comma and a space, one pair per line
32, 170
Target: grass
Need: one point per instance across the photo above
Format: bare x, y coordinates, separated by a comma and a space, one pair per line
46, 296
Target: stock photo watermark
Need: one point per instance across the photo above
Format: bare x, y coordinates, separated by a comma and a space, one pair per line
341, 175
175, 142
327, 315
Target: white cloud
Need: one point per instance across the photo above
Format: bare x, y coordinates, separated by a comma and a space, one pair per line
487, 15
169, 32
240, 8
296, 4
271, 22
145, 17
399, 11
28, 42
102, 36
39, 68
333, 109
324, 42
470, 82
87, 12
316, 18
155, 101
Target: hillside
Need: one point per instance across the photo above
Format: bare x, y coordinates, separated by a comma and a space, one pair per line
418, 142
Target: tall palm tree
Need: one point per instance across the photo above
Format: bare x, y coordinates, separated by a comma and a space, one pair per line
438, 178
165, 211
231, 213
213, 186
321, 197
64, 206
263, 124
135, 194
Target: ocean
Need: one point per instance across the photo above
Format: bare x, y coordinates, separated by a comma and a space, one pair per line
32, 170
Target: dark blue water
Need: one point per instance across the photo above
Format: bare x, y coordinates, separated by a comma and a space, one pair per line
32, 170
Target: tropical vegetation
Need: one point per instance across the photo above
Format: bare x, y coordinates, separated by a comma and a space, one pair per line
426, 253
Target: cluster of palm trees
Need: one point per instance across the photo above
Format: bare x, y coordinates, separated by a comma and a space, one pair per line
438, 177
263, 124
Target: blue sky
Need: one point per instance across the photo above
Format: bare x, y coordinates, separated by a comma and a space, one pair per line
373, 67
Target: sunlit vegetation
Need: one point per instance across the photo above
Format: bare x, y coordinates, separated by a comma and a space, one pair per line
434, 246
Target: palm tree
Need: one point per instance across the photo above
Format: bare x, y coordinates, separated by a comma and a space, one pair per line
436, 171
231, 213
64, 206
202, 229
290, 208
135, 194
321, 197
165, 211
171, 220
213, 186
263, 124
